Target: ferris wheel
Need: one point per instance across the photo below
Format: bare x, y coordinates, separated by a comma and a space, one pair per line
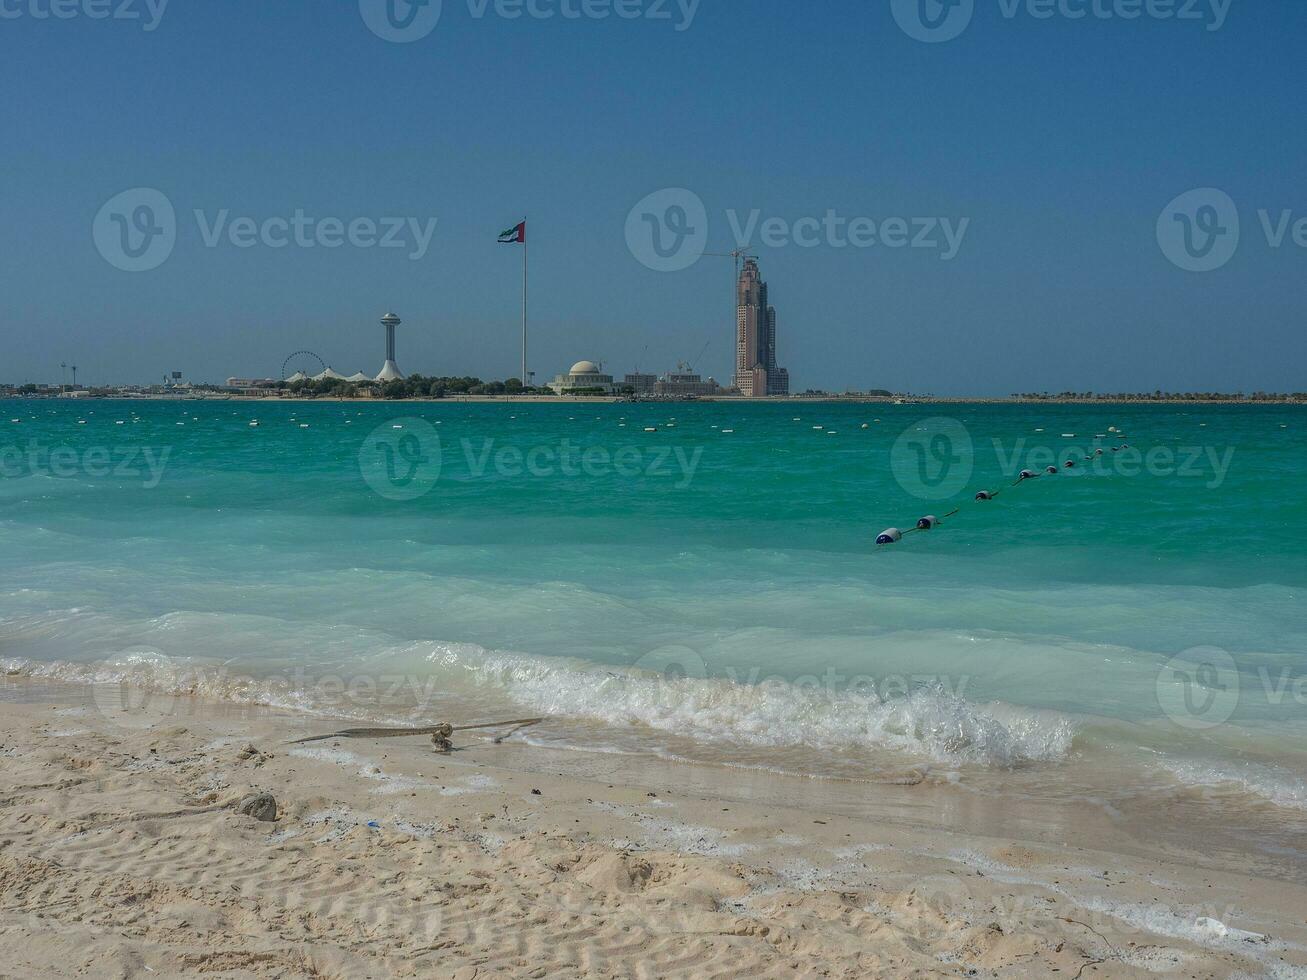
301, 362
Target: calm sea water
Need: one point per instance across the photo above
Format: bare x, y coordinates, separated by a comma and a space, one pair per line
711, 590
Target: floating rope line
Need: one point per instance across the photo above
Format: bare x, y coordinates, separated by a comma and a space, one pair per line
893, 535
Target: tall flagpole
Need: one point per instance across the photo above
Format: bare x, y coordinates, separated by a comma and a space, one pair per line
526, 379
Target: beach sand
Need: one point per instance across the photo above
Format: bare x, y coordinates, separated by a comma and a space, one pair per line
120, 857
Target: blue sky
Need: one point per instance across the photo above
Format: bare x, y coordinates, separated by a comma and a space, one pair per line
1060, 141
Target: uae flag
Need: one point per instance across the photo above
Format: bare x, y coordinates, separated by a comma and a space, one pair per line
514, 235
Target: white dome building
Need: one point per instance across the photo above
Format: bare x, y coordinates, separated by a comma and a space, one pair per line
583, 375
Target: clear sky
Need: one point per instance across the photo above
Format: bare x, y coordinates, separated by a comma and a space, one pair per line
1059, 140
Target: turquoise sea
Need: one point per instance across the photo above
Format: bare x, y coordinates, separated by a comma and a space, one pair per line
1131, 631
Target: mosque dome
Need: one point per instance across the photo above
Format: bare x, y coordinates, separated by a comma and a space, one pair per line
584, 367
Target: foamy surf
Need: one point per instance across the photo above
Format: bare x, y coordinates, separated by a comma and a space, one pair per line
929, 722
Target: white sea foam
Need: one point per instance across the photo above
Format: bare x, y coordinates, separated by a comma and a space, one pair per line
926, 721
1263, 782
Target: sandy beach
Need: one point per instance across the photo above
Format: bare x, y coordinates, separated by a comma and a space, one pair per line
123, 854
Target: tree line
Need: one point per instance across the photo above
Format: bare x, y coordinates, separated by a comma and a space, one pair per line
414, 386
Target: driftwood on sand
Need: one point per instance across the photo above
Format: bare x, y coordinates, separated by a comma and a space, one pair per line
441, 735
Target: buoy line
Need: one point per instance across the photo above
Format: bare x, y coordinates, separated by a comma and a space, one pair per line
893, 535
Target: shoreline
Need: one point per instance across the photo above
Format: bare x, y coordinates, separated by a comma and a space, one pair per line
499, 859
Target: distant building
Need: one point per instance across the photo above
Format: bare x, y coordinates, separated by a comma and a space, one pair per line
390, 370
254, 386
584, 375
756, 371
641, 384
684, 383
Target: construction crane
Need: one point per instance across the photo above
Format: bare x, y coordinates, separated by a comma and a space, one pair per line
699, 359
739, 253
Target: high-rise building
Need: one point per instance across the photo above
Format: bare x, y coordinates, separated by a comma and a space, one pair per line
756, 372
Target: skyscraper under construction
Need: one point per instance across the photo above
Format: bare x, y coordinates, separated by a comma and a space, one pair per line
756, 373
